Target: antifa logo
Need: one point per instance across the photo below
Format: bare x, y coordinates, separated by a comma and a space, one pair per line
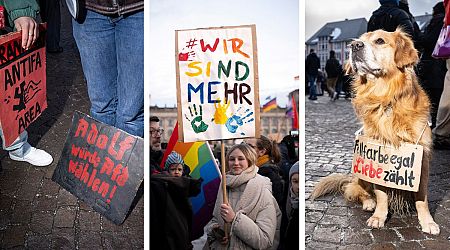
25, 94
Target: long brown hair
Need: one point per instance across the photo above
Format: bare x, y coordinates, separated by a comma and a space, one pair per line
271, 148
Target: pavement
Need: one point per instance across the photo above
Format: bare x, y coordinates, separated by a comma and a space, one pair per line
333, 223
35, 212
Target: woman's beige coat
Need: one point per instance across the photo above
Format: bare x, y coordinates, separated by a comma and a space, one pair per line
258, 217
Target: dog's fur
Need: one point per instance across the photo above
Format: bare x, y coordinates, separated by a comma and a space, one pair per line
393, 109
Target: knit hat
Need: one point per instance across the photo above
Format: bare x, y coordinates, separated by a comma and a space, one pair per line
293, 170
389, 1
173, 158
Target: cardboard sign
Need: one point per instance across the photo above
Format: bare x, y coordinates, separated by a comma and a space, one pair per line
217, 83
398, 168
23, 94
101, 165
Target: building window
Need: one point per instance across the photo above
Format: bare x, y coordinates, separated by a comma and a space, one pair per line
275, 121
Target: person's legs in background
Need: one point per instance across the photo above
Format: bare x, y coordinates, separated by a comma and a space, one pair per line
51, 13
441, 133
312, 87
130, 78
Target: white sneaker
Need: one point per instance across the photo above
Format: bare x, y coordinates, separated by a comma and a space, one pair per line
36, 157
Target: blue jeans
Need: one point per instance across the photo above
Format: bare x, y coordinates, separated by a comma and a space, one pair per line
19, 147
112, 56
312, 86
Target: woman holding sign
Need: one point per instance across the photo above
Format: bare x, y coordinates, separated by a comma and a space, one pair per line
23, 14
252, 214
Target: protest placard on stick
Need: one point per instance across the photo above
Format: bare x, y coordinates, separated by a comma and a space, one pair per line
101, 165
217, 83
23, 94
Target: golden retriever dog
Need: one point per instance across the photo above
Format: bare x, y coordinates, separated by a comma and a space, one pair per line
393, 109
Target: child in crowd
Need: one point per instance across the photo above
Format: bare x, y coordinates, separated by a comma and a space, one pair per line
174, 164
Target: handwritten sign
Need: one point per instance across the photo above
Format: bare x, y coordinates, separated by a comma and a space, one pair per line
23, 94
398, 168
217, 83
101, 165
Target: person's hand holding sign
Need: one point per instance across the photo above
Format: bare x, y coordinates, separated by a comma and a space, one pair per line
29, 28
197, 123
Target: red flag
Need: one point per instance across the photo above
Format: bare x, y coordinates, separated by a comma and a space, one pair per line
294, 109
170, 145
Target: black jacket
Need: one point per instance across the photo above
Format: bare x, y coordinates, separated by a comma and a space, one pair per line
333, 68
114, 7
171, 211
431, 71
312, 64
273, 172
388, 17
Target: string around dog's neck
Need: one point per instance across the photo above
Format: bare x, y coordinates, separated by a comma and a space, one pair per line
360, 132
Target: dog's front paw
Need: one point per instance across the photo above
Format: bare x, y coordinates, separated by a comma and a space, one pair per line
376, 221
369, 204
430, 227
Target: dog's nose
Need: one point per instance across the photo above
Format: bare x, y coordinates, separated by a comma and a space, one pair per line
357, 46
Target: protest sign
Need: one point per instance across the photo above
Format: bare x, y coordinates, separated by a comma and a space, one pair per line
101, 165
217, 83
398, 168
23, 93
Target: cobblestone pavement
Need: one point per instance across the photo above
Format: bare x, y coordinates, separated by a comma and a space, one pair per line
35, 212
331, 222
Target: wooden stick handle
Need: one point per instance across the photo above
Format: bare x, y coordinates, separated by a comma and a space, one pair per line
224, 184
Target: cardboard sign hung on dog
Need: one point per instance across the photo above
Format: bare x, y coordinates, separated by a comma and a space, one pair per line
398, 168
101, 165
217, 83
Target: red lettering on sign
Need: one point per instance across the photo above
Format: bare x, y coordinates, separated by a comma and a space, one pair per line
82, 128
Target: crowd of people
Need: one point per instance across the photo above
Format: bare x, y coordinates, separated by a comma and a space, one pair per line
262, 189
433, 74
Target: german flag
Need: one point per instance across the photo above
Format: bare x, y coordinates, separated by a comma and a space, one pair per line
270, 105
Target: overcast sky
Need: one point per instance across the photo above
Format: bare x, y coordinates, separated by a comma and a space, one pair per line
320, 12
277, 30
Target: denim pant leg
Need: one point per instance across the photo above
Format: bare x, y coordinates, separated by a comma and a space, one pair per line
130, 78
312, 86
19, 147
95, 38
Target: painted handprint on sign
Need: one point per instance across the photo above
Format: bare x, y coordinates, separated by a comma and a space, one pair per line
186, 55
220, 116
238, 119
197, 123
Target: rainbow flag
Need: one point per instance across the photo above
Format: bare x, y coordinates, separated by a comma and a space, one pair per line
270, 105
199, 158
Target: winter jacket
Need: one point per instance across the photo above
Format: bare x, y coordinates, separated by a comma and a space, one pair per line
273, 172
431, 71
114, 7
16, 9
333, 68
312, 64
257, 221
171, 211
388, 17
